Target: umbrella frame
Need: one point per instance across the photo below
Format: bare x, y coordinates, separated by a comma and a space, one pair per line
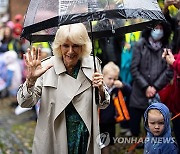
93, 16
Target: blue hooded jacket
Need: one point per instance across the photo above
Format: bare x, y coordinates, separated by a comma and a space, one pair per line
163, 144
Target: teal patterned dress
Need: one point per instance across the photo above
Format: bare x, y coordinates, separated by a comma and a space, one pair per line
77, 132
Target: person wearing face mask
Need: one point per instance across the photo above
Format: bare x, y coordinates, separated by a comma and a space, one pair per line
149, 71
157, 33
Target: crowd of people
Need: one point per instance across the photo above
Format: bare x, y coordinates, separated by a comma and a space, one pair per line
60, 81
11, 51
13, 70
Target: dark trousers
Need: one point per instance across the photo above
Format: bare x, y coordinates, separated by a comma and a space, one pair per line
176, 129
135, 120
124, 124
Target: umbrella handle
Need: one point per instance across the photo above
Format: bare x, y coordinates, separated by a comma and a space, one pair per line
96, 88
97, 95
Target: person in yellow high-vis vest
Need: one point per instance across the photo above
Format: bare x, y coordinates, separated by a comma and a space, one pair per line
45, 49
8, 43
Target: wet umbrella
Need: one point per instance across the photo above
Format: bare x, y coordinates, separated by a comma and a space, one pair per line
43, 17
103, 18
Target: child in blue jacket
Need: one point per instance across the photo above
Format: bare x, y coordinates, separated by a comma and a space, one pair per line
157, 124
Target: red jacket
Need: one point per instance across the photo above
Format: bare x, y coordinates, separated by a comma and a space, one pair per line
176, 64
175, 97
176, 84
170, 95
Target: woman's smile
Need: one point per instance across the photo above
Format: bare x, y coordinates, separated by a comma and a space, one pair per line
71, 56
71, 53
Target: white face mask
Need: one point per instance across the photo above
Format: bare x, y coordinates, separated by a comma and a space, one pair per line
157, 34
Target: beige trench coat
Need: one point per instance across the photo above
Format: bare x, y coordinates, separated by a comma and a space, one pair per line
56, 90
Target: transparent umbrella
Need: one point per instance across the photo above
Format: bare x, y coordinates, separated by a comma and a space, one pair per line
110, 17
103, 18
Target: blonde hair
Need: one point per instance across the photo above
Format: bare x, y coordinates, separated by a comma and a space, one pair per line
77, 34
155, 112
110, 66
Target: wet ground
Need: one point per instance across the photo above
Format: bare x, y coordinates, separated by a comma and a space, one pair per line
17, 132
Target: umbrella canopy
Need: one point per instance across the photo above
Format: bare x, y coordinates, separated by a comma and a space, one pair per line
108, 17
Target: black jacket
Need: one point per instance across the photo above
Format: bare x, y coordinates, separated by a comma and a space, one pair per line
148, 69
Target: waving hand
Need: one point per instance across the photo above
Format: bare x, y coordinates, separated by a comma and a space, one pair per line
34, 68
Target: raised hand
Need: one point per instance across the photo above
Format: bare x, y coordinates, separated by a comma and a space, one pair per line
34, 68
167, 54
118, 84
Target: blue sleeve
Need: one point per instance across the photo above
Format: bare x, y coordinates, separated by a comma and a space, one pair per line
9, 78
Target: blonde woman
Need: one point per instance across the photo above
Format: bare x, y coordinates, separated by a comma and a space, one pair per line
68, 116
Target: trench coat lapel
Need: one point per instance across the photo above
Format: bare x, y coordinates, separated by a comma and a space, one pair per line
88, 67
68, 87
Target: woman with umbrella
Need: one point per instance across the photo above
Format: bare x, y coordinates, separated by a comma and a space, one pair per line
68, 116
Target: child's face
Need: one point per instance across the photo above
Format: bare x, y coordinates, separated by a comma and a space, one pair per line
156, 123
109, 78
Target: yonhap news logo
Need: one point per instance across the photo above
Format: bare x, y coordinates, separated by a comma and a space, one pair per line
103, 140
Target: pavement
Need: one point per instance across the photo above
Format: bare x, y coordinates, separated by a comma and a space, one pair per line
16, 131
